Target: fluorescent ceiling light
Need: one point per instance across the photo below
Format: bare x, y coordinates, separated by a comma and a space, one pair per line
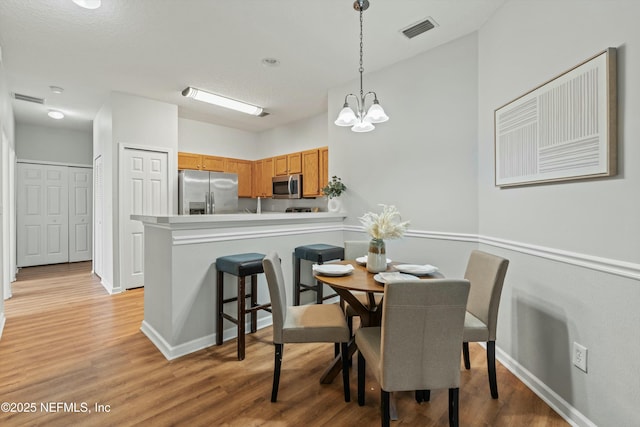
55, 114
221, 101
88, 4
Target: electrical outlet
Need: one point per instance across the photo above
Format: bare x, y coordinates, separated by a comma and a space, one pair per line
580, 356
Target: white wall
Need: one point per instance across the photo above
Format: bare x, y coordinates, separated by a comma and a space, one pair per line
548, 304
215, 140
136, 121
7, 127
298, 136
52, 144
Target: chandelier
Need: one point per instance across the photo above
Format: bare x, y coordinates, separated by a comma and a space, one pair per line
358, 120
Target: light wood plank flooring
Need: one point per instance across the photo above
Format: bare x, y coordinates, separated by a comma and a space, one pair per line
67, 341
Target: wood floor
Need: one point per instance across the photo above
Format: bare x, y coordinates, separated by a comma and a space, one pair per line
66, 342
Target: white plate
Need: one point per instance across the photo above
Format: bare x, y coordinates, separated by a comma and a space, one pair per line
418, 270
363, 260
332, 269
392, 276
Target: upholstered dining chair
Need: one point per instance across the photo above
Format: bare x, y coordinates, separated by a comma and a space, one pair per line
354, 249
417, 347
486, 274
302, 324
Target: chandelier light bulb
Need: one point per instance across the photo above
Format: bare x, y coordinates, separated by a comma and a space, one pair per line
346, 117
363, 126
376, 113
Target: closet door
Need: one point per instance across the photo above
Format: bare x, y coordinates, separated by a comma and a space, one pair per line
80, 189
43, 214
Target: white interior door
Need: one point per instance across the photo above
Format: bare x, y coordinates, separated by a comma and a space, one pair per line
80, 202
43, 215
98, 230
145, 192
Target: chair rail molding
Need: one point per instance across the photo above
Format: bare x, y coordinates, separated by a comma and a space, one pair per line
621, 268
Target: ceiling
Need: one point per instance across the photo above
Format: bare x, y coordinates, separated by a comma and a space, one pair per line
156, 48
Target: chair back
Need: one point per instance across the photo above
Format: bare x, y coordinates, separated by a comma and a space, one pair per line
275, 282
355, 248
486, 273
422, 324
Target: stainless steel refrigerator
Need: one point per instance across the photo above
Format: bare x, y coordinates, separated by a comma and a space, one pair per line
202, 192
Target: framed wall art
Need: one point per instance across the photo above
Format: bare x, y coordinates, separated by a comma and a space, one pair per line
564, 129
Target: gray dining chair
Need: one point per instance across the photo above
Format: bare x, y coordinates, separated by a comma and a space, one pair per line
486, 273
417, 347
302, 324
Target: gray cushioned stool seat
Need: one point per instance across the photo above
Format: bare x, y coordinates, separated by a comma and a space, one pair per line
241, 264
318, 253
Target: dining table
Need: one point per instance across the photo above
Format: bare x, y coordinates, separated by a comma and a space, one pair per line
359, 280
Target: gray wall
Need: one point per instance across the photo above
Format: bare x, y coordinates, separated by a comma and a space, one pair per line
568, 237
53, 144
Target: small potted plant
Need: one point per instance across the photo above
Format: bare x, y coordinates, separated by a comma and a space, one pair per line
333, 190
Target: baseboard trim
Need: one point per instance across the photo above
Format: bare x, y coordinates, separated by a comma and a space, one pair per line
173, 352
551, 398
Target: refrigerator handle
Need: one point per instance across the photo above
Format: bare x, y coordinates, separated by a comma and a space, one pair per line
206, 203
213, 204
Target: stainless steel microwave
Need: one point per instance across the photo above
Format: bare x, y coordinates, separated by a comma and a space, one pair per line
287, 187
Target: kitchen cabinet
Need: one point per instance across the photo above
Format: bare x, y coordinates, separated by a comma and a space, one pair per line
263, 173
288, 164
244, 170
315, 171
324, 167
200, 162
310, 173
213, 163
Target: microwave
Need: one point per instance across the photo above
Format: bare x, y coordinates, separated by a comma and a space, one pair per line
287, 187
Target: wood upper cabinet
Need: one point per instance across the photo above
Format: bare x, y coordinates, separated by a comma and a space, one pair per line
288, 164
213, 163
200, 162
310, 173
244, 170
189, 161
263, 173
324, 167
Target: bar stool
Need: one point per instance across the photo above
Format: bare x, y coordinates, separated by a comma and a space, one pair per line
318, 253
241, 266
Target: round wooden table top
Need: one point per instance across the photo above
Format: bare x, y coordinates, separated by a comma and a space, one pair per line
361, 279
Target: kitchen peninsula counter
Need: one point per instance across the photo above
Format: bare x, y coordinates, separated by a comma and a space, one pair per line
179, 268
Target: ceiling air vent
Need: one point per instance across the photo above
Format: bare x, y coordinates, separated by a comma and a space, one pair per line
28, 98
419, 27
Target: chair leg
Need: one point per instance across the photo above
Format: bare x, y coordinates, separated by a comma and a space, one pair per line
423, 395
465, 354
219, 306
361, 374
279, 349
241, 316
386, 415
345, 371
491, 365
453, 407
254, 302
296, 281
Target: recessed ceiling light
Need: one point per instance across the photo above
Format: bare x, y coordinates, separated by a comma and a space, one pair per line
55, 114
88, 4
56, 89
270, 62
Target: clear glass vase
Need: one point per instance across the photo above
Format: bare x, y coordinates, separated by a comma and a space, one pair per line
377, 256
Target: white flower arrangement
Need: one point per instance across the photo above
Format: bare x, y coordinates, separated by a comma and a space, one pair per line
386, 225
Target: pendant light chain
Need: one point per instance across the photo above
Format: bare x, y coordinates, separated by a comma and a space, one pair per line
361, 69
